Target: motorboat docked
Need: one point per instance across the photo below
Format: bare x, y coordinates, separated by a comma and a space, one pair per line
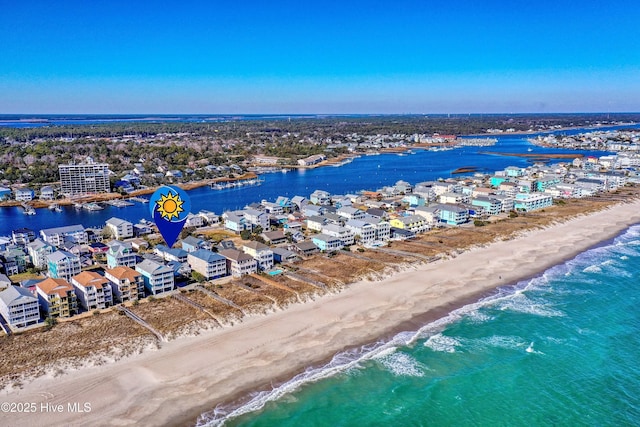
55, 207
92, 207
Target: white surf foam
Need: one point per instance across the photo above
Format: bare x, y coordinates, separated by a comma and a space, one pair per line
592, 269
402, 365
442, 343
522, 304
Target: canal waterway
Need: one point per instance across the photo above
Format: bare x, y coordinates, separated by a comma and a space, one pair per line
363, 173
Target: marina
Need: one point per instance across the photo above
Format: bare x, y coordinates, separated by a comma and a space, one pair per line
236, 184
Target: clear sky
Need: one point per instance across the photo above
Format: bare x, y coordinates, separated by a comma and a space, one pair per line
454, 56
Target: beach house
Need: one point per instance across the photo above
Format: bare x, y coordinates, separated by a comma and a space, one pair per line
453, 198
362, 230
430, 213
119, 228
453, 214
305, 248
343, 233
192, 244
274, 237
327, 243
57, 298
413, 223
120, 253
299, 202
38, 251
349, 212
261, 253
284, 255
58, 235
19, 307
171, 254
488, 205
256, 218
126, 283
382, 227
63, 265
93, 291
320, 197
24, 194
239, 263
47, 193
22, 236
532, 202
193, 220
234, 222
16, 257
209, 217
158, 278
210, 264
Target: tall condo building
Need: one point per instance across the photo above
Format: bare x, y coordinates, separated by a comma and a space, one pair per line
84, 178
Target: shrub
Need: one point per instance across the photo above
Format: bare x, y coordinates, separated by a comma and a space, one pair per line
50, 322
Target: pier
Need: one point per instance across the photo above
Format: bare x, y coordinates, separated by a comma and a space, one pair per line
119, 203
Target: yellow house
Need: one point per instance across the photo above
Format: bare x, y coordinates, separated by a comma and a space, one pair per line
414, 223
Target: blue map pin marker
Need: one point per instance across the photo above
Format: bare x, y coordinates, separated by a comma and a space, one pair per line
169, 207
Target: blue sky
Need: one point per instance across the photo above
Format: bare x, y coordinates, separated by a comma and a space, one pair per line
319, 57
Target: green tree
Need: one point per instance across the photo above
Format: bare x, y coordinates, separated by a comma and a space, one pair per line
198, 277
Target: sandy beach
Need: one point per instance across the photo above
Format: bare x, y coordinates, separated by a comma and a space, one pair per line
188, 376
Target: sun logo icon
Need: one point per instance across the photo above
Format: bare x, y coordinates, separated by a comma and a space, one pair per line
170, 206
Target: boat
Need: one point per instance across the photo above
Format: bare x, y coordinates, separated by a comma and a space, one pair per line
529, 149
139, 199
28, 210
77, 205
55, 207
92, 207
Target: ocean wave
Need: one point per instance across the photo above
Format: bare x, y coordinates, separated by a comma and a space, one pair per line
501, 341
402, 365
442, 343
522, 304
593, 269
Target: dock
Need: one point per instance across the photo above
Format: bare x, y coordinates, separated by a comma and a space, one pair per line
119, 203
236, 184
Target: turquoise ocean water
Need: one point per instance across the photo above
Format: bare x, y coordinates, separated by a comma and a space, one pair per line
559, 349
